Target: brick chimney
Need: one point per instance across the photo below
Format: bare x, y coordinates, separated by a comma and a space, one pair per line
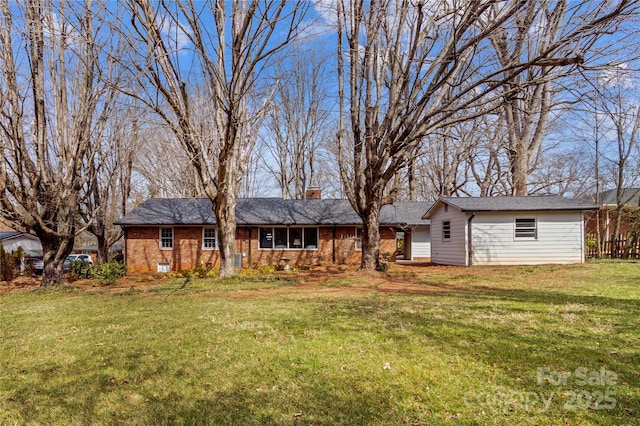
313, 193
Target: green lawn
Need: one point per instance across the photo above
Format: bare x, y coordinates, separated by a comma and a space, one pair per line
521, 345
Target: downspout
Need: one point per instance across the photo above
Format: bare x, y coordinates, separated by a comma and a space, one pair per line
583, 247
249, 250
333, 246
125, 247
470, 240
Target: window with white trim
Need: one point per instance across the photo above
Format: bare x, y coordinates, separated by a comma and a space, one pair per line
209, 239
446, 230
358, 238
166, 238
292, 238
526, 228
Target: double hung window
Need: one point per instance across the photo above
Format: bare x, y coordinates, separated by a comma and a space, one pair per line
166, 238
209, 240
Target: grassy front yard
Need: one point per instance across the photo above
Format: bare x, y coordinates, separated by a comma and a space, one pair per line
521, 345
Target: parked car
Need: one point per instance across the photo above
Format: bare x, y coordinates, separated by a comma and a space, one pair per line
38, 265
84, 257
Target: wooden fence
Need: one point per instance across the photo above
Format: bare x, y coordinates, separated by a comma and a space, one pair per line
623, 247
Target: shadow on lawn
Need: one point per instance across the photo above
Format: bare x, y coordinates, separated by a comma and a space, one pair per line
511, 332
315, 405
103, 399
515, 331
544, 297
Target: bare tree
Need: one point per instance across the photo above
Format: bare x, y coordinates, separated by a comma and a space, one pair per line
488, 165
298, 124
163, 165
109, 187
618, 114
412, 68
564, 172
215, 99
565, 29
447, 160
53, 108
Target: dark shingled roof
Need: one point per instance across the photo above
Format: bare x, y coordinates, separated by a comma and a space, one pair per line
268, 211
630, 197
9, 234
498, 204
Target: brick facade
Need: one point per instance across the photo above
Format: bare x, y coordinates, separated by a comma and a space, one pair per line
143, 252
607, 221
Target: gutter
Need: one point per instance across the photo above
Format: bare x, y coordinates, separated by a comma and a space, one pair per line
470, 240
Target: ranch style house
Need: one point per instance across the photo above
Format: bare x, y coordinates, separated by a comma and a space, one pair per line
163, 235
168, 234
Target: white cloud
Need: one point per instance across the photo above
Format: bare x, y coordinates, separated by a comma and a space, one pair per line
325, 22
175, 36
619, 76
54, 30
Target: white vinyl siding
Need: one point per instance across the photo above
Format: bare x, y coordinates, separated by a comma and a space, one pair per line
420, 242
559, 238
454, 250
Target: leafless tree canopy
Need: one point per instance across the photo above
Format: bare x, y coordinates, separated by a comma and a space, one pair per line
410, 69
445, 97
202, 66
298, 124
108, 187
53, 109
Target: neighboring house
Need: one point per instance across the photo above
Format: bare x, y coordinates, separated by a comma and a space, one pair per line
507, 230
607, 203
630, 197
179, 234
30, 244
92, 250
31, 247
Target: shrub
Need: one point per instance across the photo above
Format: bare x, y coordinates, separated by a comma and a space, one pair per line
382, 266
248, 272
266, 269
303, 268
29, 268
107, 273
198, 272
145, 278
7, 265
80, 268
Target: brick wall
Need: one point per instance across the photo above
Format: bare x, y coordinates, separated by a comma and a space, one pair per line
143, 253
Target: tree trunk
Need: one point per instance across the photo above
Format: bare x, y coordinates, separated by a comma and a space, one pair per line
103, 249
55, 250
411, 176
615, 252
519, 172
370, 239
225, 211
